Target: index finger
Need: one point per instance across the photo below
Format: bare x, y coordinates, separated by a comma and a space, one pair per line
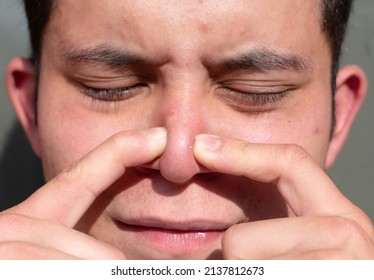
67, 197
303, 184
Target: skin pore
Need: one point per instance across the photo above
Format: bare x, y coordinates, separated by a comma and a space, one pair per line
241, 72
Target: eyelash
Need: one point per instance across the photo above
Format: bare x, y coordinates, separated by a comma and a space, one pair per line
118, 94
108, 95
258, 99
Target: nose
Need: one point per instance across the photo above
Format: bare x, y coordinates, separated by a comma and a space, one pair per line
183, 120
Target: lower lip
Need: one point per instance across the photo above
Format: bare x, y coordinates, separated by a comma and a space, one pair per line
176, 239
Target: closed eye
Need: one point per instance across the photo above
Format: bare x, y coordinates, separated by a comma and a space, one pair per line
256, 99
114, 94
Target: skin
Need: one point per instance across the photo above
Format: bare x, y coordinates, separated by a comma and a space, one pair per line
223, 175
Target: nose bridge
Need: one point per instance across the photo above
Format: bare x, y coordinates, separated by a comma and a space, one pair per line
183, 120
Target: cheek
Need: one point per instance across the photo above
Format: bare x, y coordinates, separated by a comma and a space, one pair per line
65, 141
303, 124
69, 131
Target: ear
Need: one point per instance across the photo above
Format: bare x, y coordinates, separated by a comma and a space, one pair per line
351, 87
21, 85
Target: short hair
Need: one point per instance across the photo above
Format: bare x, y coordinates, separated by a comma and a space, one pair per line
38, 13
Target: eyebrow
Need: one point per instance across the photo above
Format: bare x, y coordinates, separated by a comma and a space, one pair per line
260, 59
267, 60
103, 55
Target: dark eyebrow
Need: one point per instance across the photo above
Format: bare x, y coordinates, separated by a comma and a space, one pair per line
102, 55
267, 60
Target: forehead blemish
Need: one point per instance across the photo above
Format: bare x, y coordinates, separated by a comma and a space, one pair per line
203, 14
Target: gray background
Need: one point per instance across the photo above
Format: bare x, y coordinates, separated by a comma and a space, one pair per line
353, 172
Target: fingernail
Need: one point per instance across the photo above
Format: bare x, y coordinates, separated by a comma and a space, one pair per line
157, 133
208, 142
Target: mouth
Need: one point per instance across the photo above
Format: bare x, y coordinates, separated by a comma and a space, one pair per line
175, 237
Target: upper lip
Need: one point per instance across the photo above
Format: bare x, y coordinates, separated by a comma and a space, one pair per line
196, 225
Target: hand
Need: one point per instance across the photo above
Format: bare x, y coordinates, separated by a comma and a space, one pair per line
326, 224
42, 226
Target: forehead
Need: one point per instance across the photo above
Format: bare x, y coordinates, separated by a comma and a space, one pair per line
196, 26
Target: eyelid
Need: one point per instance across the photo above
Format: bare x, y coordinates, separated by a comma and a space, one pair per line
253, 101
263, 95
257, 92
258, 86
111, 94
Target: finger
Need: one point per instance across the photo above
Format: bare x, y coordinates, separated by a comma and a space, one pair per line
18, 250
303, 184
298, 237
68, 196
50, 235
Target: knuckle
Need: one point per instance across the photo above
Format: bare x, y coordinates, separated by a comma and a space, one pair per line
295, 154
122, 139
346, 228
341, 238
125, 143
243, 146
116, 141
349, 234
70, 174
69, 178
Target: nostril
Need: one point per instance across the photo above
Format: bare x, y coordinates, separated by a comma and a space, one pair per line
177, 165
209, 175
204, 175
153, 169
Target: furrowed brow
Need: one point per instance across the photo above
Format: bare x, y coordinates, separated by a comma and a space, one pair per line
267, 60
102, 56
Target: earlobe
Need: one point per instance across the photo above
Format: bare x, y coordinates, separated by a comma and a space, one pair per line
351, 87
21, 85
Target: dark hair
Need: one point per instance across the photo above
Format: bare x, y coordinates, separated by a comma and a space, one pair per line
335, 19
38, 13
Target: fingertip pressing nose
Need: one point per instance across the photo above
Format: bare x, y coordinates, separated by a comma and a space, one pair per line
177, 164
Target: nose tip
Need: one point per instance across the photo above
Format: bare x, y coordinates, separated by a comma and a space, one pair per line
177, 163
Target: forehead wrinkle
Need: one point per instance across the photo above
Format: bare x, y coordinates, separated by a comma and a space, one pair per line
262, 59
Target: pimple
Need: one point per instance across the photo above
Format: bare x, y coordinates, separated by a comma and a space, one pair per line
170, 112
204, 27
316, 130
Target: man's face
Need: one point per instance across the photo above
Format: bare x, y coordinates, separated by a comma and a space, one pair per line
254, 70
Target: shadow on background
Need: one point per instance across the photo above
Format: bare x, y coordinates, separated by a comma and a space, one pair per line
20, 170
